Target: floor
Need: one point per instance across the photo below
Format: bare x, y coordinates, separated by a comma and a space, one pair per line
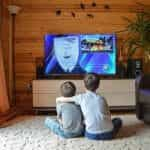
29, 133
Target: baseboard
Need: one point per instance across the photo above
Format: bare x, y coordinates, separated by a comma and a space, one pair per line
44, 110
122, 108
52, 110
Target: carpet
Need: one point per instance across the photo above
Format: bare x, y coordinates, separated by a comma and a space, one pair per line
29, 133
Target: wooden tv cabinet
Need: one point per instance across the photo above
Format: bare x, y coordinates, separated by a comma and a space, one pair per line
120, 93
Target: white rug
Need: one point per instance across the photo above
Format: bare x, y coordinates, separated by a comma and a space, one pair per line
29, 133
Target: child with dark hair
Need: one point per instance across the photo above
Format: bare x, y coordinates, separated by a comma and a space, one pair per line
98, 123
69, 117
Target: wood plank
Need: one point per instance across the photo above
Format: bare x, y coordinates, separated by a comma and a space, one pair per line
47, 18
88, 8
65, 2
25, 67
68, 28
22, 85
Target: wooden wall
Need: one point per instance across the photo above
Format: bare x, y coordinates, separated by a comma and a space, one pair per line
38, 17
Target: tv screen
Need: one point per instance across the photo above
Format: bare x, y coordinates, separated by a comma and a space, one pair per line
80, 54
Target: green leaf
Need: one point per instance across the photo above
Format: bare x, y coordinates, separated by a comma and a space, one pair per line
138, 30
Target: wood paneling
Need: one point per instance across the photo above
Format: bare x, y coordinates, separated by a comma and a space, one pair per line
38, 17
65, 2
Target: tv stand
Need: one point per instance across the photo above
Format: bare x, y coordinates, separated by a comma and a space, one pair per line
120, 93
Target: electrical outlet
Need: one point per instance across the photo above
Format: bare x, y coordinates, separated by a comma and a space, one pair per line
29, 87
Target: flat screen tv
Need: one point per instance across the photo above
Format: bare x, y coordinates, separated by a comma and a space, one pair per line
71, 54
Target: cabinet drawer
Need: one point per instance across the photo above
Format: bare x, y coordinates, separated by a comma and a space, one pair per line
47, 100
114, 85
119, 99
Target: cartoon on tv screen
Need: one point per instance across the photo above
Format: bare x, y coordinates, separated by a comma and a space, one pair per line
80, 53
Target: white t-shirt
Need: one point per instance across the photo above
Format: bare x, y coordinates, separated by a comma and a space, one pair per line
95, 111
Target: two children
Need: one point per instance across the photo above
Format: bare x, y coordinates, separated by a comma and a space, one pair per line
96, 114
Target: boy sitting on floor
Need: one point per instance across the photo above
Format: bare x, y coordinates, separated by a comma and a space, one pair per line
69, 122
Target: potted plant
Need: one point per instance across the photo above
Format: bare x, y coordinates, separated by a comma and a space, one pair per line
138, 35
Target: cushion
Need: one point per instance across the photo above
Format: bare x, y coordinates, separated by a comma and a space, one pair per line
144, 96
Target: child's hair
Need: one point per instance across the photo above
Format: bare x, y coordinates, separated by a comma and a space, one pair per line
91, 81
68, 89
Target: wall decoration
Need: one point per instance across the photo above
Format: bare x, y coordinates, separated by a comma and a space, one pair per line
82, 6
58, 12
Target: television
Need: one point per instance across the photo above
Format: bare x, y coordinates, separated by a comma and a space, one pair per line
77, 54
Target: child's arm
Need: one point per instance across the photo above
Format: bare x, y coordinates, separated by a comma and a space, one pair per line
59, 116
74, 99
63, 99
105, 108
